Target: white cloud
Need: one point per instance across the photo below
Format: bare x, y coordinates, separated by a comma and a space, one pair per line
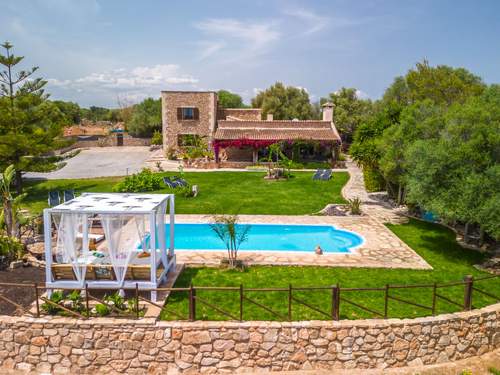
314, 21
136, 78
241, 38
130, 84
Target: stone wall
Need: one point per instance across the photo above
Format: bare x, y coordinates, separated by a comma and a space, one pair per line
102, 346
171, 100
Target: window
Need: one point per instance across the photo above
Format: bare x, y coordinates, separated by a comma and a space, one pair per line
187, 113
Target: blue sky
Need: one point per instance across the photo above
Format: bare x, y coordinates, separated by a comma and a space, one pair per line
98, 52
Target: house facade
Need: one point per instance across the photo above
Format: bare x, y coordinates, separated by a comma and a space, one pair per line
240, 134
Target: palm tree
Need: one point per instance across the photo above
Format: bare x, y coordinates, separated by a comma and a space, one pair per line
233, 235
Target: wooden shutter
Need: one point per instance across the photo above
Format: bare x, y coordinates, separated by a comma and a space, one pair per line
196, 114
179, 113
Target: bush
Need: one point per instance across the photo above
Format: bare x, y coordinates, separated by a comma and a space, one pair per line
145, 180
10, 249
157, 138
56, 297
374, 181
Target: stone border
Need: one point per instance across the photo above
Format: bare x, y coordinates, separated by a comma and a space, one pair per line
107, 345
381, 247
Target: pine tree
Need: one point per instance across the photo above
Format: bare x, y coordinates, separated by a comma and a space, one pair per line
29, 124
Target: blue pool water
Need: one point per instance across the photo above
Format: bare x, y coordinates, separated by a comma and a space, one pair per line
269, 237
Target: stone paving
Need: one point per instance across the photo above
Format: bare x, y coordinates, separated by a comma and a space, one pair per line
381, 249
372, 203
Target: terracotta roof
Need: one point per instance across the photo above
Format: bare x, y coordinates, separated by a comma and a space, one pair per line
276, 130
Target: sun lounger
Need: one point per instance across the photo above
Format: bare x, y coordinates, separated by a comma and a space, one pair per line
171, 184
326, 175
180, 181
317, 174
68, 195
54, 198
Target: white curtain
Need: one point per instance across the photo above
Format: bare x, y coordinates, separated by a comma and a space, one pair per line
69, 242
122, 234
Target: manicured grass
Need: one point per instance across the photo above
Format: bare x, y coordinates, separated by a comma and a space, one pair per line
221, 192
433, 242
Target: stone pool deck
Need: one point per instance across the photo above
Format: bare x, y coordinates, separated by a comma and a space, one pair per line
381, 249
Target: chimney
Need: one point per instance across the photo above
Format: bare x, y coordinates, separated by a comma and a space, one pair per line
270, 117
328, 111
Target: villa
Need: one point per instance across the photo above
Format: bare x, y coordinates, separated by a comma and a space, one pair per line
240, 134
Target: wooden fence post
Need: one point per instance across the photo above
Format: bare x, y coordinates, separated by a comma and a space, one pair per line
335, 302
289, 302
136, 300
87, 299
36, 299
434, 299
241, 302
468, 292
386, 303
192, 303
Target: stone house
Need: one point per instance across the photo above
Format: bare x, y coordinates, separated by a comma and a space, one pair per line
240, 134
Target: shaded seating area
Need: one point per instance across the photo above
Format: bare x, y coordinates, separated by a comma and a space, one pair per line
121, 254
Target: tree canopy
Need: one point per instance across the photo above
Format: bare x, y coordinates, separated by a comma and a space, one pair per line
145, 118
229, 100
284, 102
434, 137
30, 125
349, 111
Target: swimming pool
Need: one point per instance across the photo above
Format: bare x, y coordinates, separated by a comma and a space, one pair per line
269, 237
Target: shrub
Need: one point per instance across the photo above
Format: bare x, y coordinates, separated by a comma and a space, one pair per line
157, 138
101, 309
354, 206
374, 181
55, 297
145, 180
10, 248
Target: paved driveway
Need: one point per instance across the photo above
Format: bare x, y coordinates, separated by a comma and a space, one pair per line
100, 162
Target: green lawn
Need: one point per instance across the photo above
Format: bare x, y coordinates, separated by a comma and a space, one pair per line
221, 192
433, 242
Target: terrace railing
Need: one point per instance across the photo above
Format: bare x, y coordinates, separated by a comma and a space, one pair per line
338, 297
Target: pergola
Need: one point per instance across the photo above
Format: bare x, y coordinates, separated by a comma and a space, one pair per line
109, 241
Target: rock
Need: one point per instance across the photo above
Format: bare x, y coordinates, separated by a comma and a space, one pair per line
207, 361
39, 341
195, 337
222, 345
77, 340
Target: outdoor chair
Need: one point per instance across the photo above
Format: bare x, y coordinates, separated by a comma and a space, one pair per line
68, 195
168, 182
54, 198
327, 174
180, 181
317, 175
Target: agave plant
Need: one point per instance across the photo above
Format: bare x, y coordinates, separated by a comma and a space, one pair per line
355, 206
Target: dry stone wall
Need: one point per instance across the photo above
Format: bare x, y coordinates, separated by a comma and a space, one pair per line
108, 346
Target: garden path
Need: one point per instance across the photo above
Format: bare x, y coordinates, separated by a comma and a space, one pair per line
374, 204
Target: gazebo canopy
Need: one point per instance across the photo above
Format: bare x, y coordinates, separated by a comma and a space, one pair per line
113, 203
130, 225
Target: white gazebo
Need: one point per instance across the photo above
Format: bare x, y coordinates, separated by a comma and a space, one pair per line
106, 240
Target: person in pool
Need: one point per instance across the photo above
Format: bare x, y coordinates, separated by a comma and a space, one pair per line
318, 250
